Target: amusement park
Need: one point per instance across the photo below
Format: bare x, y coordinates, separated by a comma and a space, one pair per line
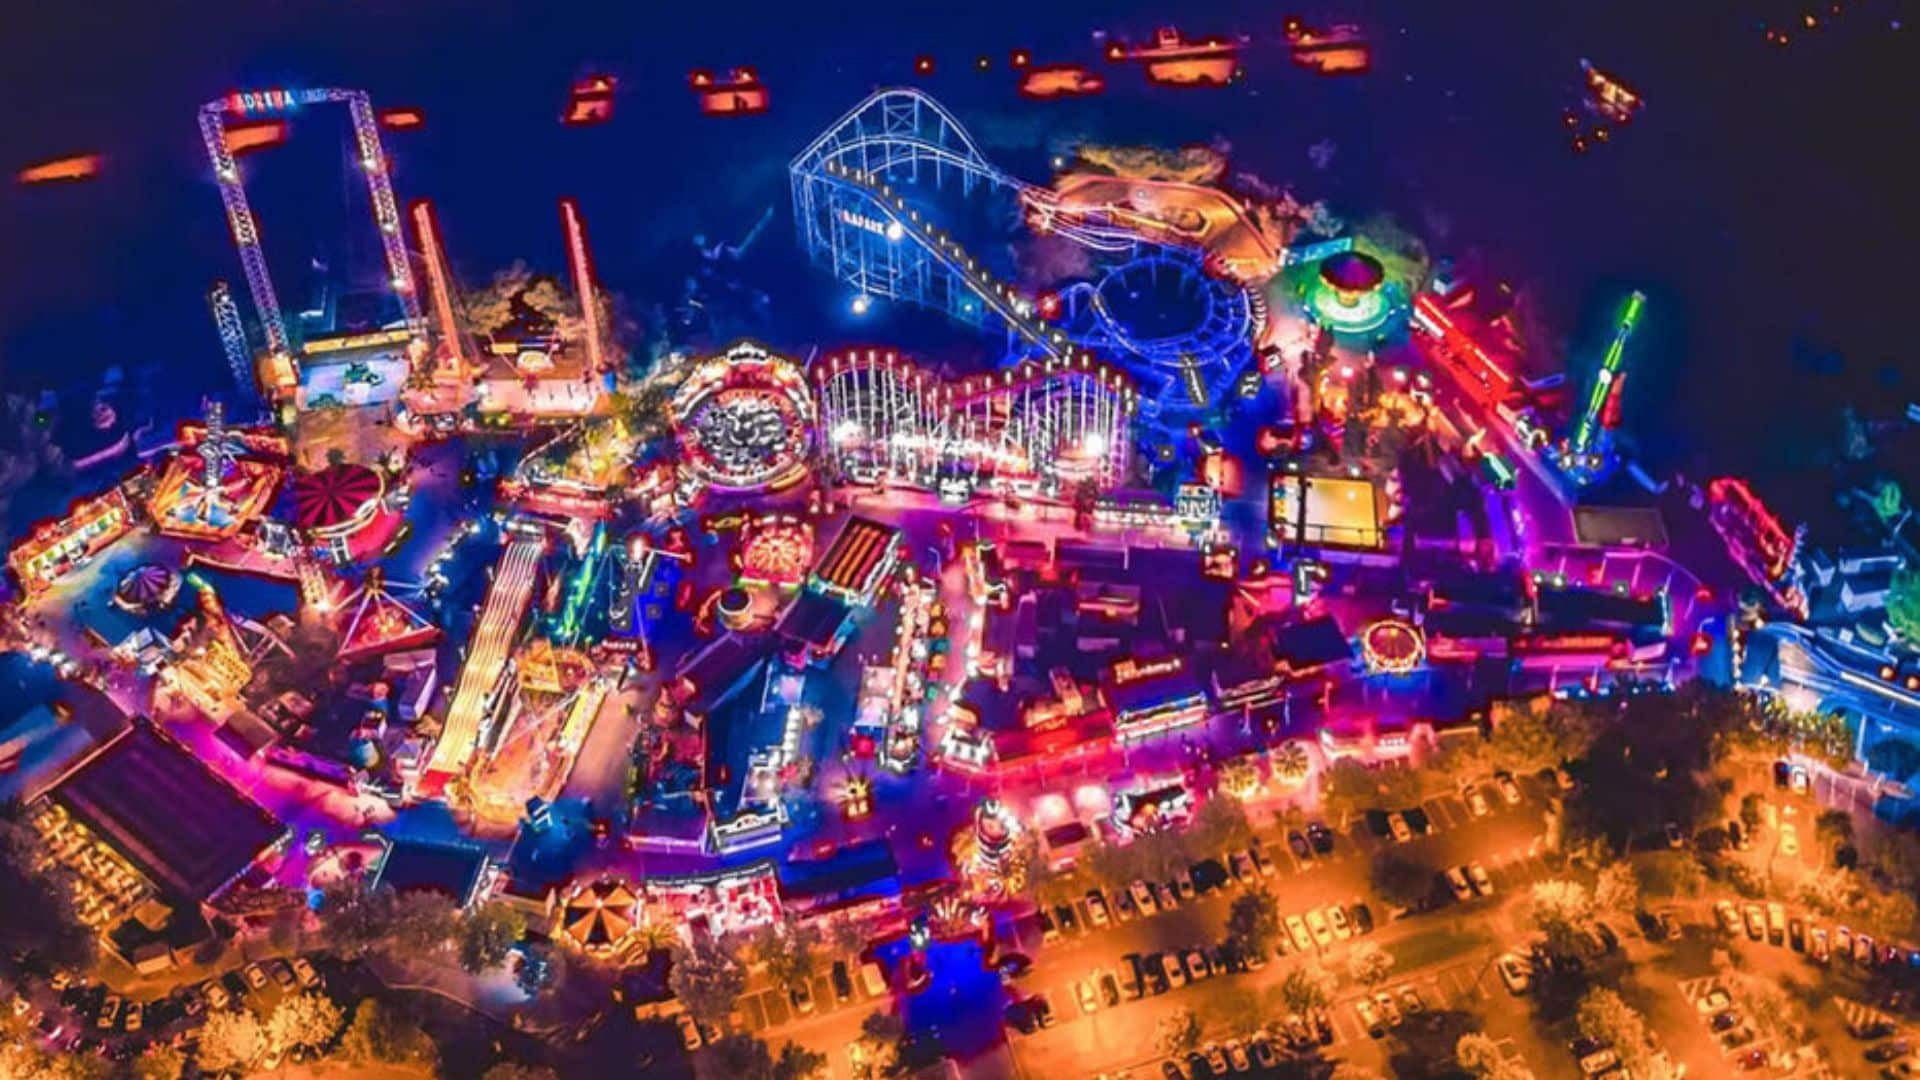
1092, 611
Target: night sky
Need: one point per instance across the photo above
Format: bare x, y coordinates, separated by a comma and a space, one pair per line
1764, 200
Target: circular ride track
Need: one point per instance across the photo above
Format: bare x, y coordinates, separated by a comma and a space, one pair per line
1183, 333
744, 419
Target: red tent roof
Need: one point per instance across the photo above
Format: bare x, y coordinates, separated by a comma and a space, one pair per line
333, 496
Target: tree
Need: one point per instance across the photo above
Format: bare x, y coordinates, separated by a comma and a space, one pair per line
1368, 964
1618, 888
1348, 787
1180, 1033
1254, 921
1834, 827
1604, 1016
310, 1020
789, 952
1307, 989
1562, 910
1401, 879
379, 1034
230, 1040
487, 934
1219, 825
1669, 873
515, 1070
1528, 737
878, 1047
1903, 603
707, 979
796, 1062
157, 1062
1752, 810
359, 921
1403, 255
736, 1056
1479, 1055
42, 919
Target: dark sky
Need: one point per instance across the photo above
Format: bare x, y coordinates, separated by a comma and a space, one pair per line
1765, 200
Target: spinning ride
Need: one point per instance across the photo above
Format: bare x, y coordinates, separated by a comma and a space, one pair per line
744, 420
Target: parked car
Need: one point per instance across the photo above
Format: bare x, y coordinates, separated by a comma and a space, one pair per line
1198, 967
1083, 990
1063, 914
1728, 915
1756, 922
1097, 908
1242, 866
1482, 883
1388, 1009
1713, 1001
872, 979
1337, 919
1143, 898
1509, 790
1320, 837
1410, 1001
1170, 966
1514, 972
1301, 849
1363, 918
303, 971
1817, 945
1457, 881
1397, 823
256, 977
1109, 986
1317, 925
801, 998
217, 995
1297, 933
843, 983
1776, 923
282, 974
1260, 861
689, 1032
109, 1013
1369, 1019
1477, 803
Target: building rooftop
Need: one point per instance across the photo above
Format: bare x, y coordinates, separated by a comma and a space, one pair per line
182, 825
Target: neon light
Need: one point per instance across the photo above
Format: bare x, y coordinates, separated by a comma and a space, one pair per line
581, 587
582, 265
1586, 433
427, 229
1488, 375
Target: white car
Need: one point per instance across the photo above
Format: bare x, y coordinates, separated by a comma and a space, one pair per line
1297, 930
1477, 803
1514, 972
1397, 822
1368, 1018
1317, 923
1509, 790
1457, 881
1481, 881
1171, 968
1338, 920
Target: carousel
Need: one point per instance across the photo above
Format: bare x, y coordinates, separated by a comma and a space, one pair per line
147, 588
744, 421
342, 511
1392, 647
600, 917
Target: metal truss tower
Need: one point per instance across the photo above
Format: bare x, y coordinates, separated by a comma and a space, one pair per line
233, 341
246, 234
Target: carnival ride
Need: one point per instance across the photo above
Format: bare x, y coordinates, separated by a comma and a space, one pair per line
744, 420
1184, 367
1035, 426
1587, 454
243, 105
476, 694
865, 189
374, 621
215, 484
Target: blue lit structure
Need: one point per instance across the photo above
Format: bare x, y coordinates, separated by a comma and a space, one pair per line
1190, 367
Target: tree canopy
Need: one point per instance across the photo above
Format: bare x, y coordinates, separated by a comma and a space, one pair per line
487, 934
707, 979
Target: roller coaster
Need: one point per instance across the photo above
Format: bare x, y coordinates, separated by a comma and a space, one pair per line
863, 195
